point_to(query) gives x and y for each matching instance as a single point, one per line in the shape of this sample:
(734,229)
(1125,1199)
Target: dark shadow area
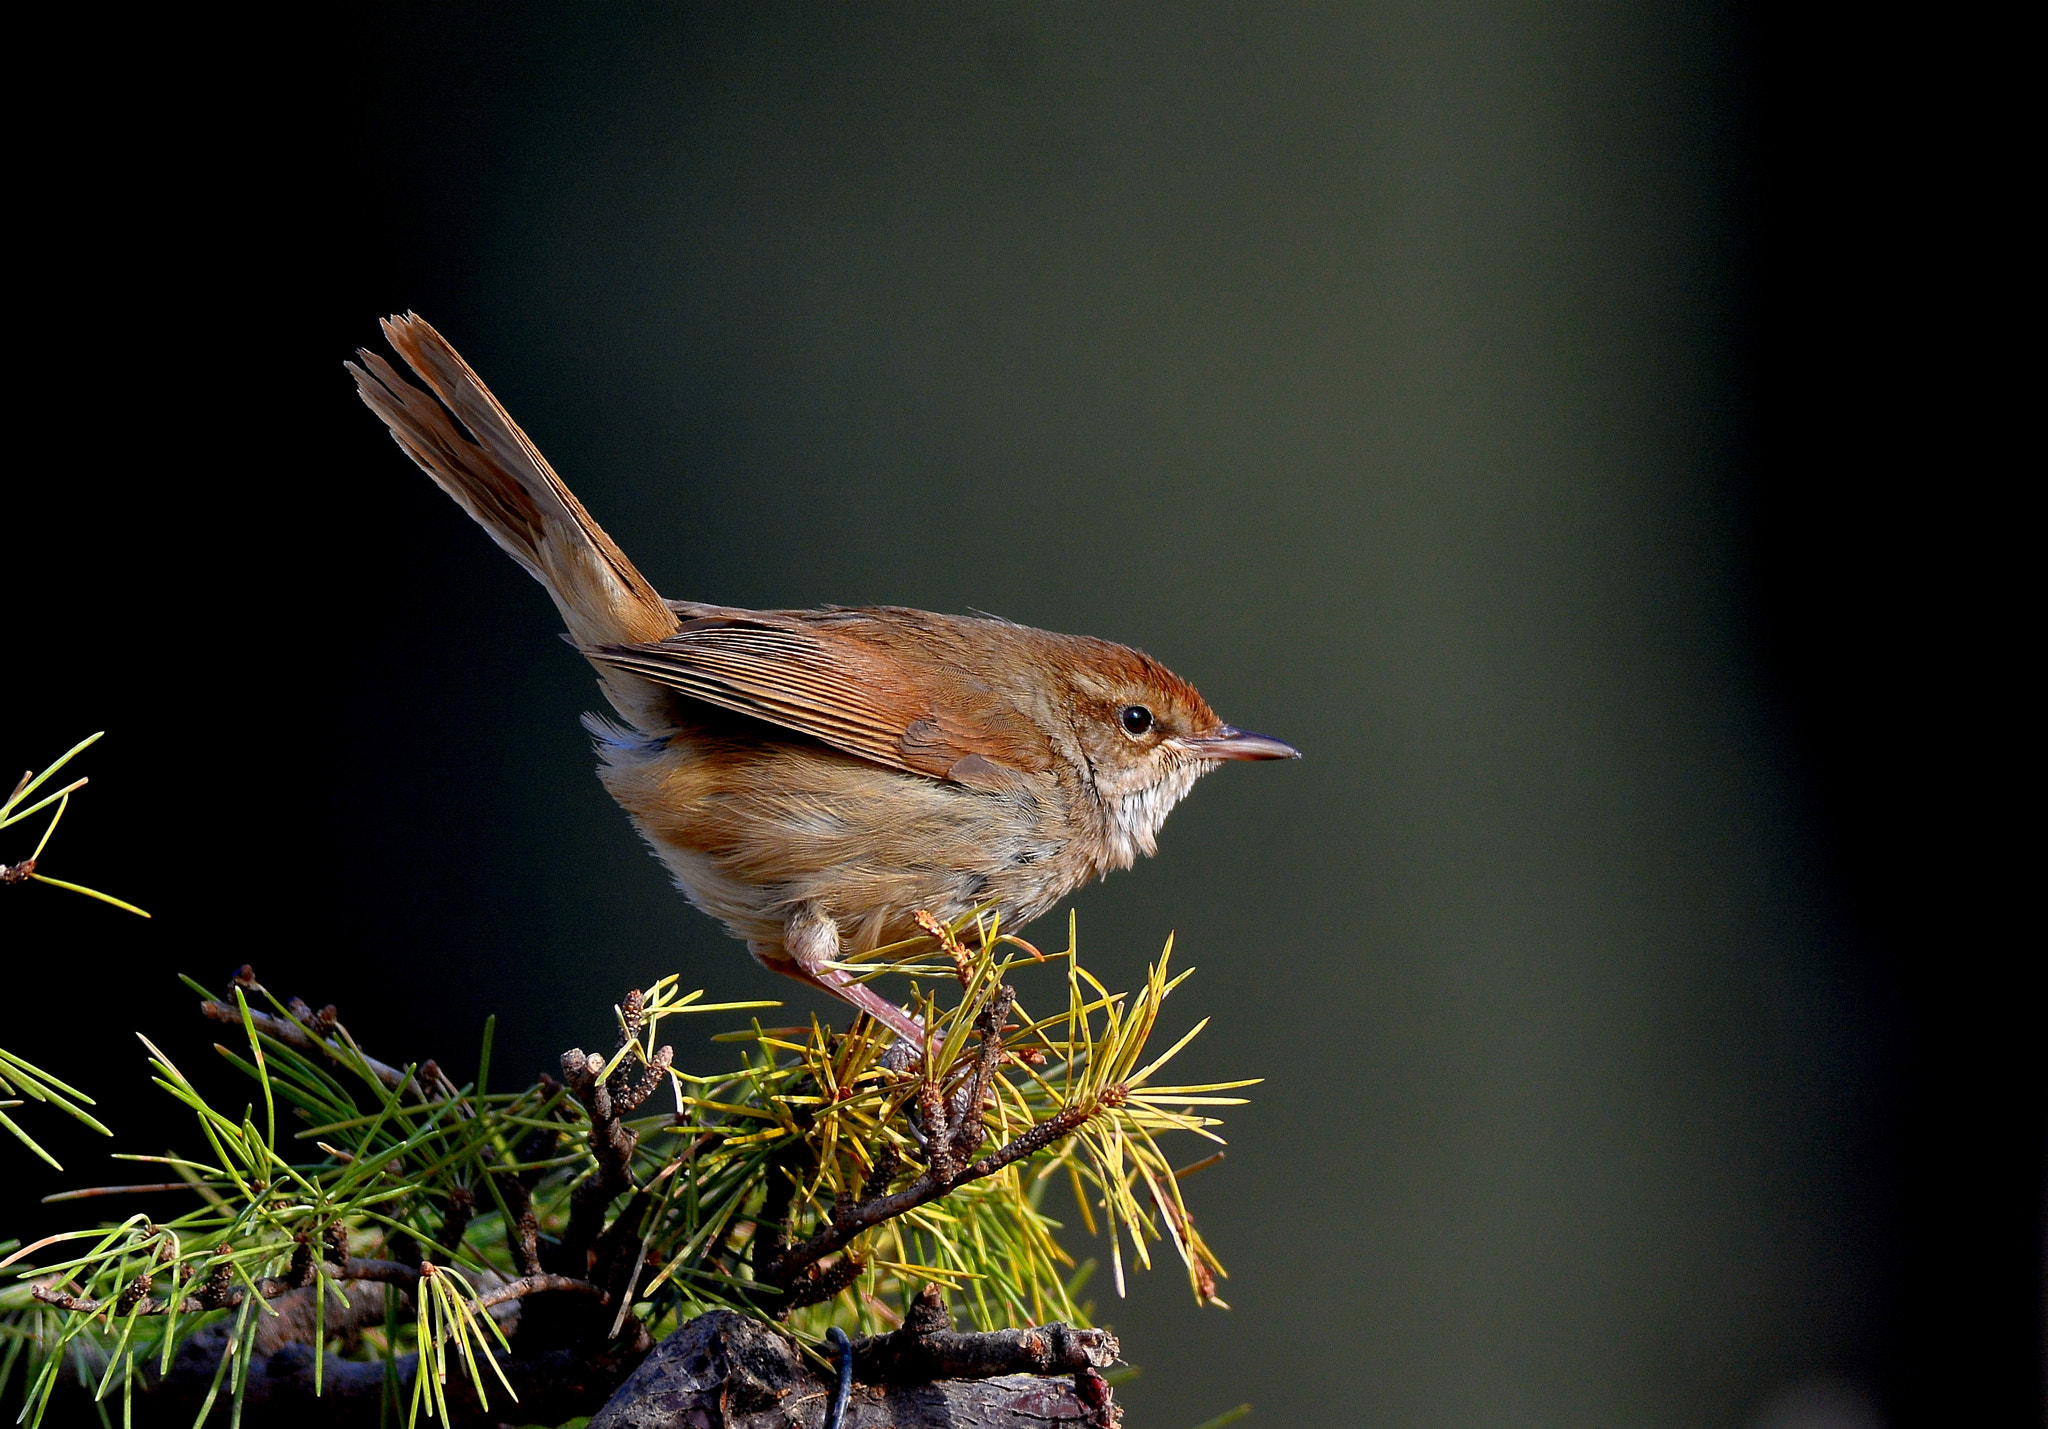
(1885,583)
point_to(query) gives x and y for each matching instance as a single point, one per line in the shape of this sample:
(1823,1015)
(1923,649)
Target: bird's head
(1146,735)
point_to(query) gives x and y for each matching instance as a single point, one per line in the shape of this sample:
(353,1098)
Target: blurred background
(1542,415)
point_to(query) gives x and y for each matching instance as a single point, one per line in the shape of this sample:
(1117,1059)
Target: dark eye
(1135,719)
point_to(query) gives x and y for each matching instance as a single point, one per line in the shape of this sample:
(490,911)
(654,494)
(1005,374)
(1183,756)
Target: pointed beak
(1228,742)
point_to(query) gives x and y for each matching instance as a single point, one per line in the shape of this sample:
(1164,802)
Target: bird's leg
(811,939)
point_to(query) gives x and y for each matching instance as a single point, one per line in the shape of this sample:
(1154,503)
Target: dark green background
(1428,384)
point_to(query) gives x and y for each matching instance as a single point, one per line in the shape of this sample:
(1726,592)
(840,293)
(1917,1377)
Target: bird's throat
(1132,820)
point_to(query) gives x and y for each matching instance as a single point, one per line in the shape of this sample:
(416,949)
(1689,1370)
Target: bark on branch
(609,1095)
(724,1371)
(300,1040)
(927,1347)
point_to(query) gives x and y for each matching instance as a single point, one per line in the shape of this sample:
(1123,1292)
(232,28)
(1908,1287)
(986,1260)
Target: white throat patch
(1134,818)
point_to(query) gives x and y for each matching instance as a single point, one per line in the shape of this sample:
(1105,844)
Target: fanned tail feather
(474,451)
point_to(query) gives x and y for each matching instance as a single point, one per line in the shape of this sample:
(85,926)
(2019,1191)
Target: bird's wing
(842,690)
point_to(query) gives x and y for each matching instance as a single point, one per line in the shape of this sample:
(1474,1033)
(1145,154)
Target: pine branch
(927,1347)
(778,1189)
(939,1179)
(221,1293)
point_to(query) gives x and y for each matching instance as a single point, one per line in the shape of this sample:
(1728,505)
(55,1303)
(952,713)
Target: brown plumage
(814,778)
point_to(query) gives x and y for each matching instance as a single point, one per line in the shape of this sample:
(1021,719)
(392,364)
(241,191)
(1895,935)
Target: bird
(816,780)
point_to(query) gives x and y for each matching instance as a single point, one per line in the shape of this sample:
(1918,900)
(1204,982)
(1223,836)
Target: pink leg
(812,941)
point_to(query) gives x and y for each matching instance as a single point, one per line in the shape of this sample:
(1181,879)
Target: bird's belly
(753,830)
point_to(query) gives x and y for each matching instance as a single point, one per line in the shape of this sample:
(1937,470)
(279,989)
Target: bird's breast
(753,828)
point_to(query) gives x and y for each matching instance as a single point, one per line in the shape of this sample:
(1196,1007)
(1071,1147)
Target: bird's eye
(1135,719)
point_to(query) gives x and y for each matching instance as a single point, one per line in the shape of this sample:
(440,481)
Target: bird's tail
(476,453)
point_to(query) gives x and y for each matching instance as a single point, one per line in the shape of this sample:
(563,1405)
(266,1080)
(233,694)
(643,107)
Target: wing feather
(837,688)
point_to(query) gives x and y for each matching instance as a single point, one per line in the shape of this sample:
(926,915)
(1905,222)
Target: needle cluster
(22,1081)
(378,1234)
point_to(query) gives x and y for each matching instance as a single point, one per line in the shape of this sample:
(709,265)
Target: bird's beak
(1227,742)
